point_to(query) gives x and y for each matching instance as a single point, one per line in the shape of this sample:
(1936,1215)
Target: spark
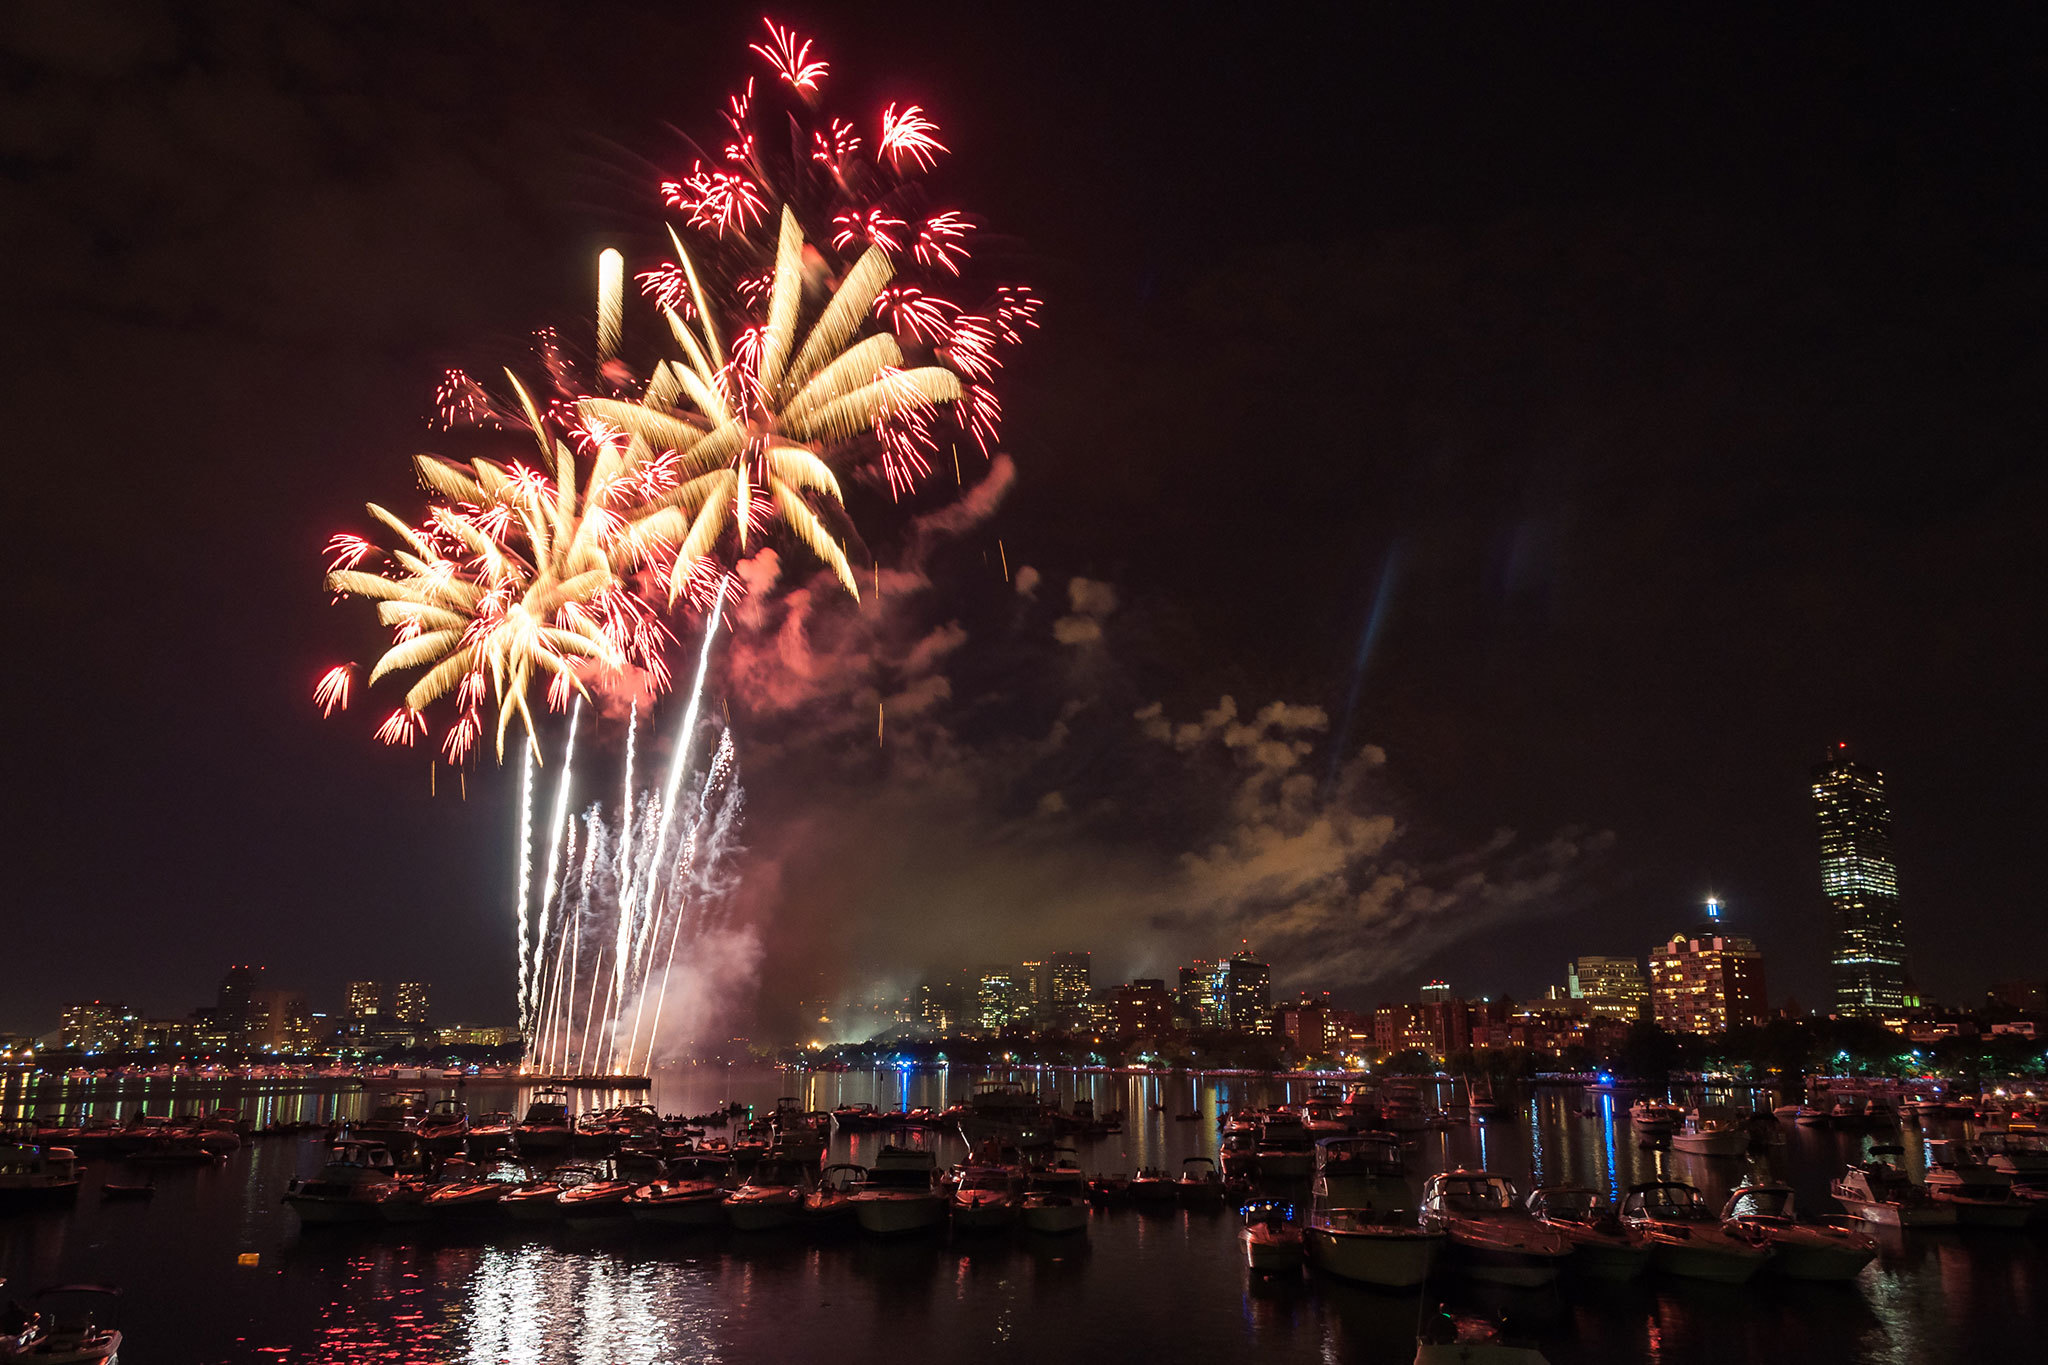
(345,551)
(330,694)
(876,225)
(912,313)
(668,287)
(721,201)
(938,242)
(525,883)
(611,302)
(402,727)
(909,134)
(791,58)
(833,148)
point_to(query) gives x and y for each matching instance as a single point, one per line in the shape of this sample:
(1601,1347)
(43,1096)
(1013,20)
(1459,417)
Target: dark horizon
(1601,415)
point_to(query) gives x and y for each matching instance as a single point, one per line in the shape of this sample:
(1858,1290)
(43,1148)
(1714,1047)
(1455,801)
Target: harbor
(728,1214)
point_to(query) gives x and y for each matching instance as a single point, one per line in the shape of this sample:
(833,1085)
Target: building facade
(1706,980)
(96,1026)
(1248,989)
(409,1003)
(1613,986)
(1141,1008)
(1861,884)
(365,999)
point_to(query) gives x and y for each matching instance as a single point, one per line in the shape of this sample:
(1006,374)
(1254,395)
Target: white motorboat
(1007,1113)
(692,1195)
(348,1188)
(1686,1238)
(2017,1154)
(1378,1247)
(1981,1195)
(1713,1130)
(58,1336)
(1366,1171)
(1272,1240)
(1654,1118)
(900,1194)
(1492,1237)
(1286,1151)
(830,1202)
(1879,1192)
(771,1197)
(466,1198)
(1835,1250)
(1201,1184)
(34,1175)
(1054,1211)
(597,1201)
(403,1200)
(986,1199)
(1601,1247)
(546,1129)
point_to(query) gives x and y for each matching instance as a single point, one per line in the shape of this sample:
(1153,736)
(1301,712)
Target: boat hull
(895,1216)
(1724,1263)
(1266,1254)
(682,1213)
(1732,1143)
(1389,1259)
(770,1213)
(1058,1219)
(1830,1264)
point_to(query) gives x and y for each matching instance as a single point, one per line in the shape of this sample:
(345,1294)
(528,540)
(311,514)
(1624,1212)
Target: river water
(1137,1284)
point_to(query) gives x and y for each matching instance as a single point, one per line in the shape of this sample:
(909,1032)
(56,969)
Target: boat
(110,1192)
(36,1176)
(546,1129)
(830,1202)
(1272,1240)
(1713,1130)
(467,1197)
(2019,1155)
(1286,1151)
(1685,1237)
(1602,1248)
(900,1193)
(1154,1186)
(349,1186)
(1879,1192)
(1654,1118)
(1008,1113)
(986,1199)
(1365,1171)
(1383,1247)
(489,1133)
(57,1336)
(394,1123)
(1054,1211)
(445,1128)
(771,1197)
(597,1201)
(1200,1184)
(1812,1116)
(1980,1195)
(691,1196)
(1493,1238)
(1834,1251)
(1448,1339)
(857,1118)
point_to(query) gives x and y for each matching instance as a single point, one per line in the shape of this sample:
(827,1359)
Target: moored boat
(1371,1246)
(33,1175)
(985,1199)
(692,1195)
(546,1129)
(1879,1192)
(348,1187)
(1272,1240)
(1834,1251)
(1601,1247)
(771,1197)
(1712,1130)
(1492,1237)
(900,1194)
(1685,1237)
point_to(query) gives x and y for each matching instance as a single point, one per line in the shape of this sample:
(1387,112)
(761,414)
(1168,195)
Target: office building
(1613,986)
(365,999)
(1861,884)
(1248,991)
(1141,1008)
(96,1026)
(999,1000)
(409,1003)
(1069,976)
(1707,980)
(1204,995)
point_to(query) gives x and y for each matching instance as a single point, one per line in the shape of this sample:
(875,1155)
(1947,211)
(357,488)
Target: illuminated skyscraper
(1249,989)
(1861,884)
(1707,980)
(365,998)
(410,1002)
(1070,978)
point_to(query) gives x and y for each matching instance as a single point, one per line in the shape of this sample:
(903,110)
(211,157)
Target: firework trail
(525,882)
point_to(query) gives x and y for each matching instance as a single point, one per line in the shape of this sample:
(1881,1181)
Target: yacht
(1685,1238)
(1879,1192)
(1008,1113)
(1654,1118)
(1492,1237)
(692,1195)
(772,1196)
(445,1129)
(830,1202)
(1201,1184)
(1054,1211)
(1981,1195)
(603,1200)
(901,1193)
(61,1337)
(985,1199)
(1835,1250)
(1713,1130)
(1372,1246)
(1365,1171)
(396,1122)
(33,1175)
(546,1129)
(1272,1241)
(2020,1155)
(466,1197)
(1286,1151)
(349,1185)
(1601,1247)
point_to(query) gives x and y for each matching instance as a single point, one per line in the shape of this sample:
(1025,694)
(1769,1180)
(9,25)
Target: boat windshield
(1473,1194)
(1674,1204)
(1572,1206)
(1765,1202)
(984,1182)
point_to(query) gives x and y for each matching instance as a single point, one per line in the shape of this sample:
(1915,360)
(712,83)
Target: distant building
(365,999)
(1861,884)
(1707,980)
(1248,987)
(1069,976)
(477,1035)
(278,1020)
(1438,1027)
(1436,992)
(409,1003)
(96,1026)
(1000,1000)
(1141,1009)
(1204,995)
(2028,997)
(1614,986)
(1310,1025)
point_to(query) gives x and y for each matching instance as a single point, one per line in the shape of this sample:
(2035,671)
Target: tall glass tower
(1861,884)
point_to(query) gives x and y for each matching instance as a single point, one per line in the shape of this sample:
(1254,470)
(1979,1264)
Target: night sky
(1568,424)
